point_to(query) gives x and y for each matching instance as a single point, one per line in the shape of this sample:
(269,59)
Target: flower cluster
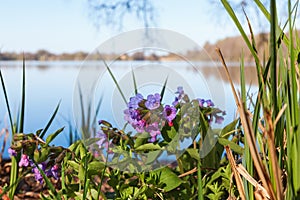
(25,161)
(149,115)
(203,104)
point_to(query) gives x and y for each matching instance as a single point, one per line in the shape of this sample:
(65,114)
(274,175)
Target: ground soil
(28,187)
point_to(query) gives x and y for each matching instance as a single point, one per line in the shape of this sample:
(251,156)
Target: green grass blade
(199,179)
(97,109)
(115,81)
(63,180)
(295,114)
(163,89)
(83,122)
(294,110)
(22,114)
(295,16)
(248,162)
(50,121)
(245,38)
(88,114)
(7,104)
(86,180)
(273,54)
(16,124)
(268,17)
(134,82)
(13,177)
(242,77)
(240,28)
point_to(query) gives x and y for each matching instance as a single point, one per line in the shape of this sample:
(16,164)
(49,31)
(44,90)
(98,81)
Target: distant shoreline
(232,48)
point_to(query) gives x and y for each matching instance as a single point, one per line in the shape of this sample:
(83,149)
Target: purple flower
(219,119)
(169,113)
(209,103)
(201,102)
(153,101)
(127,115)
(12,152)
(54,171)
(103,138)
(24,161)
(179,91)
(134,101)
(134,114)
(175,102)
(103,142)
(139,125)
(38,176)
(153,130)
(134,118)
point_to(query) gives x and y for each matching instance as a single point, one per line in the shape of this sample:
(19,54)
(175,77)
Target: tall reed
(273,129)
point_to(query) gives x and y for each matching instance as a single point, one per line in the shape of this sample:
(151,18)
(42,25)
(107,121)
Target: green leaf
(53,136)
(168,133)
(140,191)
(81,173)
(148,147)
(194,153)
(82,151)
(42,134)
(236,148)
(93,194)
(229,128)
(172,132)
(96,165)
(73,164)
(90,141)
(74,145)
(41,156)
(212,159)
(169,178)
(141,139)
(151,156)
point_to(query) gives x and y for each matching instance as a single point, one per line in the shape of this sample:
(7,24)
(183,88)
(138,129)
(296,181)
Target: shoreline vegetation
(207,53)
(253,157)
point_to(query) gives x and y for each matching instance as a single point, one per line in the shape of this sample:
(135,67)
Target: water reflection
(48,82)
(250,74)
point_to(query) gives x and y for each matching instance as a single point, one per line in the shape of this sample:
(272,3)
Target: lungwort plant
(162,150)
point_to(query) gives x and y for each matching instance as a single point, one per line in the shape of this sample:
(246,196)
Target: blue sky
(65,25)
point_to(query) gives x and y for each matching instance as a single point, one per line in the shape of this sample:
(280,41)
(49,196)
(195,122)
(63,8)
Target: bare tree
(112,12)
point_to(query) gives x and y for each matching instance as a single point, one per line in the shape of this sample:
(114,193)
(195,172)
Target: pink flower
(24,161)
(12,152)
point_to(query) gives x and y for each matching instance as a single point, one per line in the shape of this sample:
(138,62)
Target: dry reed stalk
(237,176)
(259,189)
(249,133)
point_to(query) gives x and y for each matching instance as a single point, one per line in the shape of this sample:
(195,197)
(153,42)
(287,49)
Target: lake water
(49,82)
